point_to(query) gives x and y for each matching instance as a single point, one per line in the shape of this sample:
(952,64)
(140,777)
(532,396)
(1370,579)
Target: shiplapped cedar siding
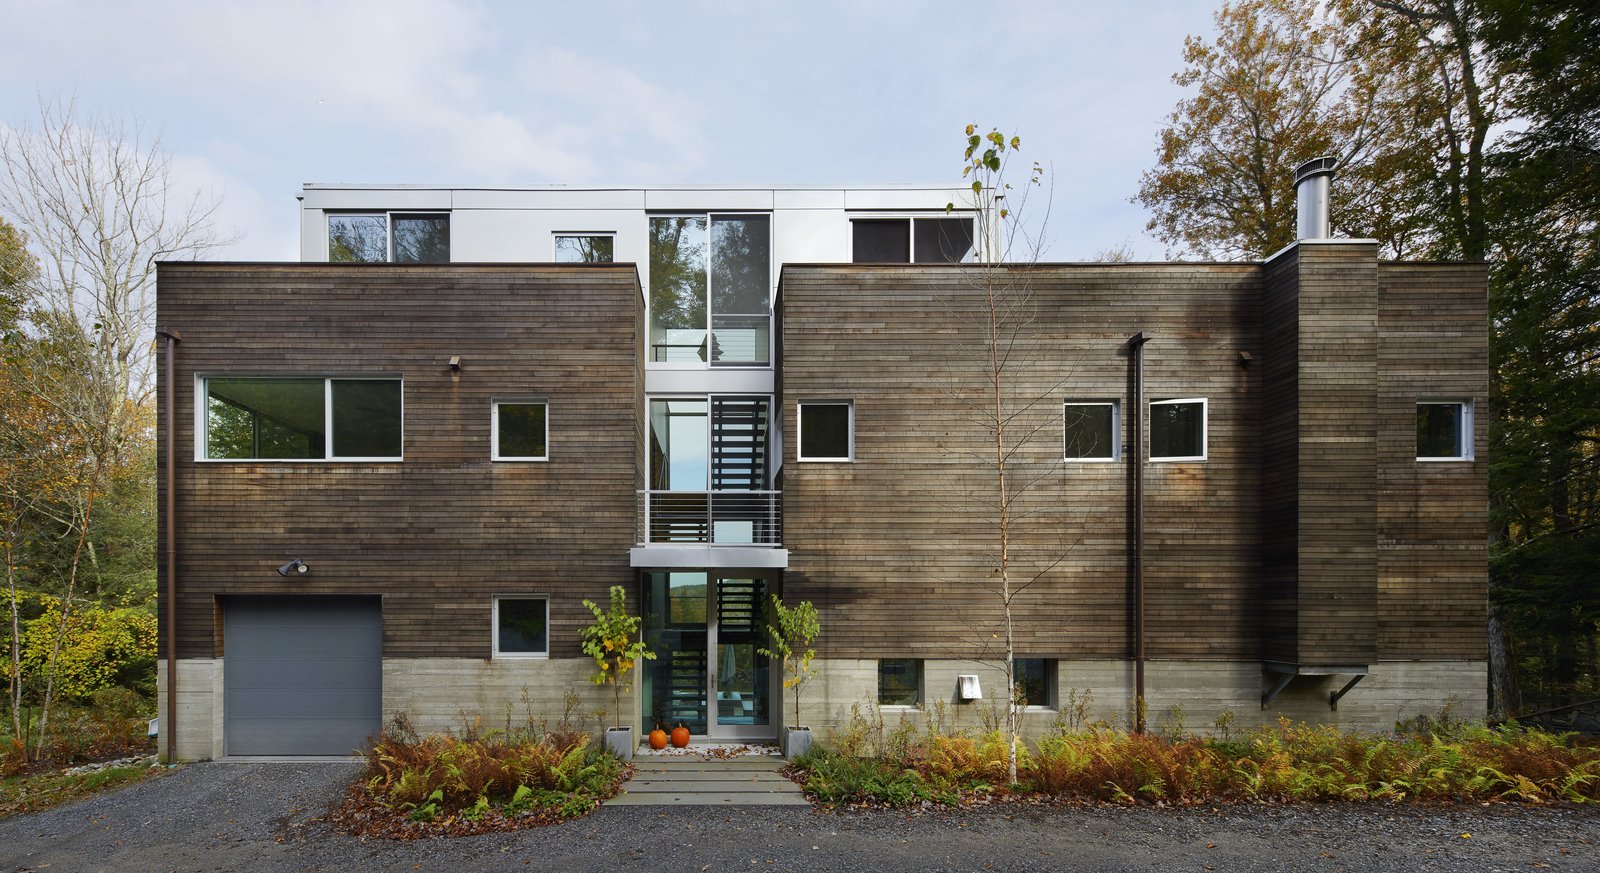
(437,534)
(1320,326)
(893,548)
(1433,517)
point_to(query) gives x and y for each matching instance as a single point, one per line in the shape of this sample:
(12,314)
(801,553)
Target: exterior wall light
(967,688)
(295,566)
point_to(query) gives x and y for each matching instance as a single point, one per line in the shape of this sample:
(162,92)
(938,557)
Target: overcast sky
(255,98)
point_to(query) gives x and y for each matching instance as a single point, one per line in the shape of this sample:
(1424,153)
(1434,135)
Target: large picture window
(1092,428)
(299,418)
(416,237)
(521,627)
(1178,430)
(1444,431)
(710,286)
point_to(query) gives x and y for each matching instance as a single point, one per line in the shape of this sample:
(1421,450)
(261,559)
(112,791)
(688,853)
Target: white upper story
(708,258)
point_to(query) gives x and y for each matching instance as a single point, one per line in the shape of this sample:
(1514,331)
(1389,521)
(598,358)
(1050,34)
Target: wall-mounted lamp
(296,566)
(455,363)
(1245,358)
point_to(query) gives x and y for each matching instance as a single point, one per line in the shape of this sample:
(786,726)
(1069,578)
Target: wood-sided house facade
(402,465)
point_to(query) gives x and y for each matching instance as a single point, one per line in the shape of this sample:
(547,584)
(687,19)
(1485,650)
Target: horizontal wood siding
(1433,520)
(437,534)
(896,547)
(1337,587)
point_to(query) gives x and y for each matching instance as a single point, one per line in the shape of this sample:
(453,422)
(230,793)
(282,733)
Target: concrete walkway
(690,780)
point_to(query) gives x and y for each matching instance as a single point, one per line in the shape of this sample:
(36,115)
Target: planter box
(619,742)
(796,742)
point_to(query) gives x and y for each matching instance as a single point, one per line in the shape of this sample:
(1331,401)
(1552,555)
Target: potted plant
(792,633)
(609,641)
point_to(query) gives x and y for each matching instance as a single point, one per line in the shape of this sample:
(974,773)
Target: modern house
(399,467)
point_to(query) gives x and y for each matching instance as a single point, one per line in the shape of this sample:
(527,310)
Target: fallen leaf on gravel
(1211,845)
(1466,836)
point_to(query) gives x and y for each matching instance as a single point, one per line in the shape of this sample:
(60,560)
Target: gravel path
(258,817)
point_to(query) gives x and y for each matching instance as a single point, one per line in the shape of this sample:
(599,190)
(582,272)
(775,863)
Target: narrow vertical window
(827,431)
(1444,431)
(521,431)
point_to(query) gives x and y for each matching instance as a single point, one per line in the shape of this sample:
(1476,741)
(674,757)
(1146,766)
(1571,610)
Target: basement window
(1036,681)
(1178,430)
(522,627)
(899,681)
(292,418)
(520,430)
(1444,431)
(1092,428)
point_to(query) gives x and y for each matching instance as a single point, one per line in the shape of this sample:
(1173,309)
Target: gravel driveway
(257,817)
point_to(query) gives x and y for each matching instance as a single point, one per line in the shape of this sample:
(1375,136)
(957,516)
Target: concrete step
(708,799)
(747,780)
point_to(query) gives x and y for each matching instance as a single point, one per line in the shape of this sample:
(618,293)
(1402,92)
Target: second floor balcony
(713,518)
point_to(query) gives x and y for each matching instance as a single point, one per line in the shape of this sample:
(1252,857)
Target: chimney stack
(1311,197)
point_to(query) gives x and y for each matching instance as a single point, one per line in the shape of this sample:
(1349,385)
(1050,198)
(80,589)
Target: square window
(1092,430)
(1036,680)
(1178,430)
(826,431)
(1444,431)
(584,248)
(360,239)
(521,627)
(942,240)
(422,239)
(521,431)
(366,418)
(880,241)
(899,681)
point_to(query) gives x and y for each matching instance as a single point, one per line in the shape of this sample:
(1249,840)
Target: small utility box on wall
(967,688)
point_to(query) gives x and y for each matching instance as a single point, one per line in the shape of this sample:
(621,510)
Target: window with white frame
(585,248)
(520,430)
(300,418)
(1444,430)
(1092,430)
(827,430)
(899,681)
(522,626)
(910,240)
(1178,429)
(401,237)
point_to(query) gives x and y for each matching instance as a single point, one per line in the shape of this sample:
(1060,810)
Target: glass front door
(705,629)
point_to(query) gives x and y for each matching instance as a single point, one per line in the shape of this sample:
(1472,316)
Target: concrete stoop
(747,780)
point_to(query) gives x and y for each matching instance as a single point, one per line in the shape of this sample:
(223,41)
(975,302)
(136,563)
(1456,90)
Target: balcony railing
(718,518)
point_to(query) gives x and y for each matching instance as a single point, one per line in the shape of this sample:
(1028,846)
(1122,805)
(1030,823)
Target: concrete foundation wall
(439,694)
(1190,694)
(199,732)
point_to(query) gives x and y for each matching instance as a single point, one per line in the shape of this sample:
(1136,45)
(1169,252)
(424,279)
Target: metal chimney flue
(1311,181)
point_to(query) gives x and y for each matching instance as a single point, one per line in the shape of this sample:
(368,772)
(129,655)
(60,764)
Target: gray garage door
(301,675)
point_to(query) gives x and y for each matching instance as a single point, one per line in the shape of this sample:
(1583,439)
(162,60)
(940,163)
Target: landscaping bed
(1286,763)
(443,785)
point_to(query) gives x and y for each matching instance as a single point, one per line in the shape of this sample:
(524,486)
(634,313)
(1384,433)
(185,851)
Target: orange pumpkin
(680,736)
(658,738)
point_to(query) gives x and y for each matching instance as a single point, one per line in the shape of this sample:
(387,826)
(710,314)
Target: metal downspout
(1136,347)
(170,728)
